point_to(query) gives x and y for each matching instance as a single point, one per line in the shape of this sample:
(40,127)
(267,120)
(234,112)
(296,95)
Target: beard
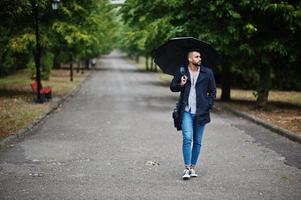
(197,63)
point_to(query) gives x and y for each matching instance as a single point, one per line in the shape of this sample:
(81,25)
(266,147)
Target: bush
(32,68)
(46,66)
(7,63)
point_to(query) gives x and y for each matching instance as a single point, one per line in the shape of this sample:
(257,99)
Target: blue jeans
(191,133)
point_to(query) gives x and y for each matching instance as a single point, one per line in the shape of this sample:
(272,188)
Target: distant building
(117,1)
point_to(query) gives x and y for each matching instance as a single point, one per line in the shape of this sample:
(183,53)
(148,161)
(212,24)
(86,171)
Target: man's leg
(187,131)
(197,143)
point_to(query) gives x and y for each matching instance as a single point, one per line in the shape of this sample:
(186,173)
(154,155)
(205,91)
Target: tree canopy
(77,30)
(257,40)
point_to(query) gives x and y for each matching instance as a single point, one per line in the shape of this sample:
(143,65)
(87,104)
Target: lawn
(17,108)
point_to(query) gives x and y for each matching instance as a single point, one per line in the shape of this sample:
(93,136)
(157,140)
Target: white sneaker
(186,174)
(192,173)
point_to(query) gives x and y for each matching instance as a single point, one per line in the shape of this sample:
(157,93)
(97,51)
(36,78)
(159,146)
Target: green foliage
(145,31)
(6,62)
(32,68)
(78,30)
(86,29)
(259,41)
(22,42)
(47,64)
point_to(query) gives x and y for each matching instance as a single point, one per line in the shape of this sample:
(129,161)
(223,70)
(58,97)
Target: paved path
(115,140)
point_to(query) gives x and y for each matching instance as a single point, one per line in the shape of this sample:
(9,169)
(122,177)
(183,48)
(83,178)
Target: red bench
(46,92)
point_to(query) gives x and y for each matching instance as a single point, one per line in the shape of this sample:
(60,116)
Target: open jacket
(205,92)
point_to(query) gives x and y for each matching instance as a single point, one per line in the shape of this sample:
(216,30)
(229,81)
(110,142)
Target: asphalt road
(115,140)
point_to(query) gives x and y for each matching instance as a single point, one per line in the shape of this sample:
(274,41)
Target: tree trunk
(264,86)
(56,63)
(155,65)
(226,81)
(82,67)
(137,58)
(71,70)
(87,62)
(152,64)
(78,67)
(146,63)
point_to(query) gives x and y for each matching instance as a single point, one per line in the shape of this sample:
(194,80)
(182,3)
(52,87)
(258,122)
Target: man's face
(194,58)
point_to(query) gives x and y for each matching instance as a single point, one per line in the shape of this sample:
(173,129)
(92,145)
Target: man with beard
(198,89)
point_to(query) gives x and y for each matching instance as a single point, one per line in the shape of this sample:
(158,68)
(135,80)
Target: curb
(281,131)
(27,130)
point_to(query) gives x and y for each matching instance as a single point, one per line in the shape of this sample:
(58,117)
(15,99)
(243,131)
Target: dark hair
(193,50)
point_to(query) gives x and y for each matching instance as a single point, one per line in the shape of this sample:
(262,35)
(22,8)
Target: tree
(275,38)
(78,30)
(251,36)
(145,31)
(85,30)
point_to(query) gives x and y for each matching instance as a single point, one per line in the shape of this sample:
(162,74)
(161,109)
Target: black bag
(177,115)
(177,112)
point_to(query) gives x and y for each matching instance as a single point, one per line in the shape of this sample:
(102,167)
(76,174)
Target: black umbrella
(173,54)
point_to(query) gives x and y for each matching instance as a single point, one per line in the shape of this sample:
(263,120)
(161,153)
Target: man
(198,89)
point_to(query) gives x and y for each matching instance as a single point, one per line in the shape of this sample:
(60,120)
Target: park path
(115,140)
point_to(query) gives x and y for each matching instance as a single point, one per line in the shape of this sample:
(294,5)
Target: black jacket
(205,92)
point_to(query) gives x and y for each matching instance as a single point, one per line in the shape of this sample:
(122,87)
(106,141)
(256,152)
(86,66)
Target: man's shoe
(192,173)
(186,174)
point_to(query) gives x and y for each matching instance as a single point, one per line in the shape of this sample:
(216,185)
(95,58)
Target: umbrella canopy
(173,54)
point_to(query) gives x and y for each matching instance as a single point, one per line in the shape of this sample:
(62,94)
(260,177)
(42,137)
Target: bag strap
(183,72)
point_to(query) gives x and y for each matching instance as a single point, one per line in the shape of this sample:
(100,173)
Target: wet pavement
(115,140)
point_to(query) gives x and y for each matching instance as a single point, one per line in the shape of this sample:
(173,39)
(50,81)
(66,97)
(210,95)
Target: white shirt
(191,107)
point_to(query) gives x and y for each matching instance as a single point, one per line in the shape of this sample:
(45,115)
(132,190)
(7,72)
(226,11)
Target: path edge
(22,133)
(280,131)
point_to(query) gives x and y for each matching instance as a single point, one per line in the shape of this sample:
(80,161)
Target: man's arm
(175,85)
(211,89)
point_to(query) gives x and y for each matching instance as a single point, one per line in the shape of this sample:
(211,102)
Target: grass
(17,108)
(286,97)
(17,113)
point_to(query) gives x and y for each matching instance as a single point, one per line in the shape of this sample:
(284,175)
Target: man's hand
(183,80)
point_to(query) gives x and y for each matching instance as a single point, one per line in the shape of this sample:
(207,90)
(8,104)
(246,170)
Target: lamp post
(55,4)
(35,8)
